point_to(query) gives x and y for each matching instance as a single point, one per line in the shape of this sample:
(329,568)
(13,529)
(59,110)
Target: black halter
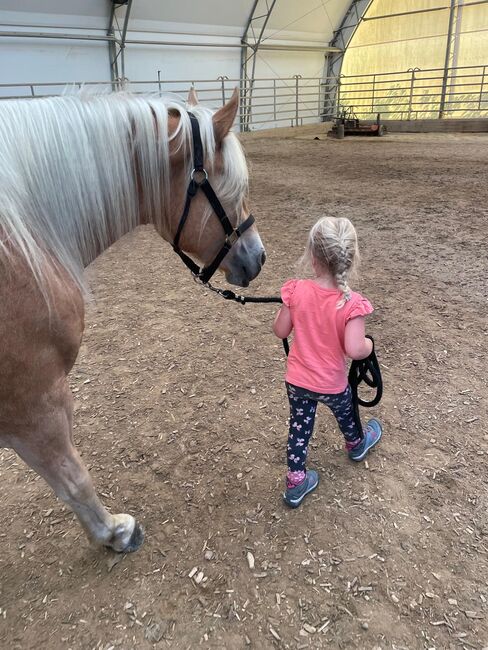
(199,180)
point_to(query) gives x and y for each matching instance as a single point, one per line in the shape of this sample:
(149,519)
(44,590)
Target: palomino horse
(77,173)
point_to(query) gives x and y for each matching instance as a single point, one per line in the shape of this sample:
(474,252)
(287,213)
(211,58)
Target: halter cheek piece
(199,180)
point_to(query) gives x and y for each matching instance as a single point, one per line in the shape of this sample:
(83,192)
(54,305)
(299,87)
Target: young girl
(328,322)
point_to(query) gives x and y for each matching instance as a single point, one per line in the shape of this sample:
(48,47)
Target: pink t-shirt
(317,359)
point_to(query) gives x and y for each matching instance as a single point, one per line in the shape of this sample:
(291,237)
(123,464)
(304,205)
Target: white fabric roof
(305,21)
(180,25)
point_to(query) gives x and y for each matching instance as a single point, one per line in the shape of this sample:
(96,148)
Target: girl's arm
(282,325)
(356,344)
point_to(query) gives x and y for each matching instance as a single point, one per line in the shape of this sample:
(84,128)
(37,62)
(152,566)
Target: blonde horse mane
(68,182)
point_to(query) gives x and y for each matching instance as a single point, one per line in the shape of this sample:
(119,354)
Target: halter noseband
(199,180)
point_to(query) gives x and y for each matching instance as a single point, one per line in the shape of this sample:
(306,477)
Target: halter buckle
(232,238)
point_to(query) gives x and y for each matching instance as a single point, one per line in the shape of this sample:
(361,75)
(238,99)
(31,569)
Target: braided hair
(332,245)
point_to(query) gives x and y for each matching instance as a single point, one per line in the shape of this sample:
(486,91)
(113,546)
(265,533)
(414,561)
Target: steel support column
(116,46)
(250,42)
(452,49)
(342,37)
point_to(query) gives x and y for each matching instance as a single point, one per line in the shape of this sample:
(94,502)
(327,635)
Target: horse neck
(79,173)
(153,182)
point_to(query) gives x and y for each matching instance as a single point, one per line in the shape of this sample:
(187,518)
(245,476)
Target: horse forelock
(68,181)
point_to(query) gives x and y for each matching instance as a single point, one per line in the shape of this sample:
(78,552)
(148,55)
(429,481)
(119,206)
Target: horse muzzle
(245,260)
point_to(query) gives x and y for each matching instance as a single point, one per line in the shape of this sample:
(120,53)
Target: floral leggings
(303,406)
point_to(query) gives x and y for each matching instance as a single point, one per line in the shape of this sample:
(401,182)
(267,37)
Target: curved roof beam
(251,40)
(342,37)
(117,45)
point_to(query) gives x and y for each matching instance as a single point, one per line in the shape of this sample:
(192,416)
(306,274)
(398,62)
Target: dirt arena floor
(181,416)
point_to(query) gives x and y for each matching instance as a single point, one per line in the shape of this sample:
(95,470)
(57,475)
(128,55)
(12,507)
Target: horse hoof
(136,539)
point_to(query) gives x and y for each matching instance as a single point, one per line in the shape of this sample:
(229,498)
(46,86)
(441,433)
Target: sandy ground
(181,416)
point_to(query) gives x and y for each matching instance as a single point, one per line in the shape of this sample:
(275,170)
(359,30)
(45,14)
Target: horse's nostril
(263,258)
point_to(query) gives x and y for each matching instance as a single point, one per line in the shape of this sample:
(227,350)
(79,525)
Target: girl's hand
(356,344)
(282,325)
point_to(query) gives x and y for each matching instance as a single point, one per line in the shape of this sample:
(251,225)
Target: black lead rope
(364,370)
(227,294)
(367,371)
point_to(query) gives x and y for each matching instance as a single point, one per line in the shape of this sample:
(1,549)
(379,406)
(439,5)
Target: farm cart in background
(348,123)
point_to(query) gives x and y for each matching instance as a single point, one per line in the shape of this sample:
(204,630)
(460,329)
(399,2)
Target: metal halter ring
(199,176)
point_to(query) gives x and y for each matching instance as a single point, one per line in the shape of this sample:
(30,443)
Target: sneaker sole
(373,444)
(294,503)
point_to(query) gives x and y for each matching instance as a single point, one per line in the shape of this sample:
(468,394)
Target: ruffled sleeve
(358,306)
(287,291)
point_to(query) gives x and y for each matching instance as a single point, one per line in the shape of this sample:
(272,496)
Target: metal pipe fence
(267,102)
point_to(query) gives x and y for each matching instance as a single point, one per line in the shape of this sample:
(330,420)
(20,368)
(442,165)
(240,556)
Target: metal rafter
(342,37)
(116,45)
(250,43)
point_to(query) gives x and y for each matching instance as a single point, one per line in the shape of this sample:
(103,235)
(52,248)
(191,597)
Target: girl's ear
(224,118)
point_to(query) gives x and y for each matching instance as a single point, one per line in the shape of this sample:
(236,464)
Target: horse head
(201,232)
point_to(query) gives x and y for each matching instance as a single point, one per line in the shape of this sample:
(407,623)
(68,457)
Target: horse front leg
(48,448)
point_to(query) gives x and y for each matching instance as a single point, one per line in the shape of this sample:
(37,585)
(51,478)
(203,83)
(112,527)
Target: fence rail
(411,94)
(416,93)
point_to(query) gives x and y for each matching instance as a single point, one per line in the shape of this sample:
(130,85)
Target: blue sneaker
(372,435)
(294,496)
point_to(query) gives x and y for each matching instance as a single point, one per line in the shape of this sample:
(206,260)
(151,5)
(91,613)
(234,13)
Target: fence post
(481,87)
(274,99)
(159,82)
(319,86)
(242,105)
(297,77)
(372,96)
(222,79)
(338,94)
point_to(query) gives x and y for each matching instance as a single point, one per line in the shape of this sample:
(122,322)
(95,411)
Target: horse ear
(224,118)
(192,97)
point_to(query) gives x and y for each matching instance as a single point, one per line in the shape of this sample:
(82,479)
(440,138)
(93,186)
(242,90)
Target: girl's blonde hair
(333,246)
